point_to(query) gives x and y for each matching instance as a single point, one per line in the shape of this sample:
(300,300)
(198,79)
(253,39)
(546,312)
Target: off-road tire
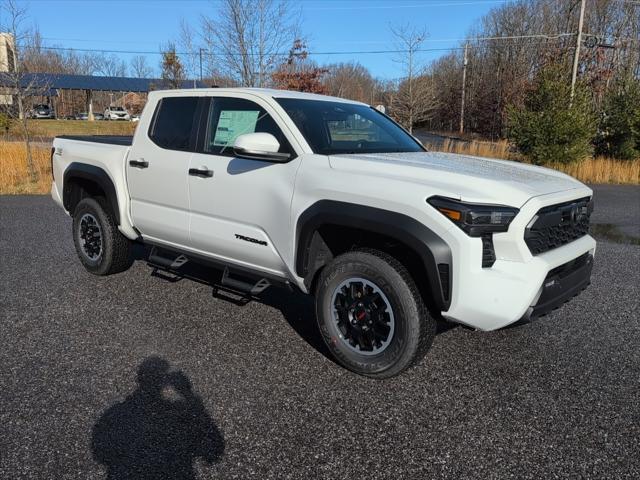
(116,248)
(414,327)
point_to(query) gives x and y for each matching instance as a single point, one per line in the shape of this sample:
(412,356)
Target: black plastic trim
(122,140)
(94,174)
(557,225)
(562,284)
(432,249)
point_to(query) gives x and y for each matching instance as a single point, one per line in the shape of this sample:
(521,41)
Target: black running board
(240,279)
(172,263)
(250,288)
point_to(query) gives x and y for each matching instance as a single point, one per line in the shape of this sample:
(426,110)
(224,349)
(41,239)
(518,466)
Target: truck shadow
(297,308)
(159,430)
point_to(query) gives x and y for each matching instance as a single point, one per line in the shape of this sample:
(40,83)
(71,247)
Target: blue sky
(330,25)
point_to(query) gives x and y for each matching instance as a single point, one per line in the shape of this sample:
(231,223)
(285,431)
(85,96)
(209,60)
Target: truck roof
(262,92)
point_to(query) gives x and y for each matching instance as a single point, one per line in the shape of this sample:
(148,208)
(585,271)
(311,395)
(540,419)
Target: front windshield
(332,128)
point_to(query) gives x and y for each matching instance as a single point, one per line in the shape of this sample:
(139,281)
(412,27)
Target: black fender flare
(431,248)
(94,174)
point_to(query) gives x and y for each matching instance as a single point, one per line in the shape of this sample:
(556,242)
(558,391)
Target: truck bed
(123,140)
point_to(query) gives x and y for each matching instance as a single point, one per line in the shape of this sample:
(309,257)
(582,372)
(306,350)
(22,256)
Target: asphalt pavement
(144,376)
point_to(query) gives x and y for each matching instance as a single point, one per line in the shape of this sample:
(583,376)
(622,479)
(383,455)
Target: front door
(240,208)
(157,171)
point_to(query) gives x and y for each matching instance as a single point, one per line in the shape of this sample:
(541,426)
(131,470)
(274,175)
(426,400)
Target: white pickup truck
(333,198)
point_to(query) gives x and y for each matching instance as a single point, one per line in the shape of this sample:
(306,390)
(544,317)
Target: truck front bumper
(492,298)
(561,285)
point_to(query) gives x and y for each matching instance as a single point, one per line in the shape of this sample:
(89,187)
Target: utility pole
(464,82)
(576,55)
(200,63)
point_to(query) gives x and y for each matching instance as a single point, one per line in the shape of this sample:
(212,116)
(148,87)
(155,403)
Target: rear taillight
(53,150)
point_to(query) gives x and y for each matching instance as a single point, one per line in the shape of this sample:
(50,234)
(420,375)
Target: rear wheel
(371,314)
(101,247)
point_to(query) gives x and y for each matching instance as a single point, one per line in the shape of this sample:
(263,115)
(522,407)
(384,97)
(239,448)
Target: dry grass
(500,149)
(590,170)
(47,129)
(603,170)
(14,173)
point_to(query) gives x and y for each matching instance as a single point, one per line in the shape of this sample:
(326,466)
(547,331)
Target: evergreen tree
(551,127)
(619,134)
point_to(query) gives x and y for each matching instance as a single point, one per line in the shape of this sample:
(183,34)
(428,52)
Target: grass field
(14,173)
(47,129)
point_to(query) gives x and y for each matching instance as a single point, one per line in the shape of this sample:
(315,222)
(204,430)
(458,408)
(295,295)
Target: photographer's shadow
(158,431)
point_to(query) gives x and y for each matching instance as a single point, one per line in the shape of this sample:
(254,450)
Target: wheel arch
(328,228)
(82,180)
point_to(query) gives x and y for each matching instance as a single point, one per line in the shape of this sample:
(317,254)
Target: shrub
(5,123)
(619,134)
(547,128)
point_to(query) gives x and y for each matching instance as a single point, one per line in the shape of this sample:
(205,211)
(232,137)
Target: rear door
(157,170)
(240,208)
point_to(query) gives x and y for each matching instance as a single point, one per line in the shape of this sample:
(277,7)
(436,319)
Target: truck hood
(468,178)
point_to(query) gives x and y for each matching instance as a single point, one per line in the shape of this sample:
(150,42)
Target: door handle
(142,163)
(201,172)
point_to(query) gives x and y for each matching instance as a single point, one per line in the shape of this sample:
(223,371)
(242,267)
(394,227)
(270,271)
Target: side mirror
(259,146)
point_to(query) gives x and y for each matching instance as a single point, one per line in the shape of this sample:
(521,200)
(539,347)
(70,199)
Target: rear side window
(173,122)
(231,117)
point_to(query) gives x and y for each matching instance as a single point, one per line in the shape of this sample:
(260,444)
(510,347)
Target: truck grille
(558,225)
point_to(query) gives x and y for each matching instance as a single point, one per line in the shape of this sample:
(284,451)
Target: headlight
(475,219)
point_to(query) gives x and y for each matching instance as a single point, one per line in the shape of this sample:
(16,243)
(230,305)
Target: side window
(173,122)
(231,117)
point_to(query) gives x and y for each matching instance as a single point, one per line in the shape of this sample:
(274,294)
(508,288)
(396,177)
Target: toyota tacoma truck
(333,198)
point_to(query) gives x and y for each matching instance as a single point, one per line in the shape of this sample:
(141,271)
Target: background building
(6,52)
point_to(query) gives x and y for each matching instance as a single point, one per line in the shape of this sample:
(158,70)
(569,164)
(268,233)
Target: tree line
(518,71)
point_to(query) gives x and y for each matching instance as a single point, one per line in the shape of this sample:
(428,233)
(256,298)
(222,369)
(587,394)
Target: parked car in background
(135,118)
(42,111)
(82,116)
(98,116)
(116,113)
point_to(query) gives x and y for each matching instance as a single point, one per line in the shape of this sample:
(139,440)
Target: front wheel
(101,247)
(371,314)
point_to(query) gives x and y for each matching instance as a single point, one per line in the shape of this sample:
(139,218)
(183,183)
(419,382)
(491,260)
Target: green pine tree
(549,127)
(619,135)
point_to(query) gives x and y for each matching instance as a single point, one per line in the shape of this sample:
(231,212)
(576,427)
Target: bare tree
(191,60)
(414,101)
(108,65)
(352,80)
(37,58)
(140,68)
(253,37)
(21,87)
(514,42)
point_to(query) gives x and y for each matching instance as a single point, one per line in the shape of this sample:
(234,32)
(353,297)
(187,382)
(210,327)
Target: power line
(428,40)
(368,5)
(214,54)
(348,52)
